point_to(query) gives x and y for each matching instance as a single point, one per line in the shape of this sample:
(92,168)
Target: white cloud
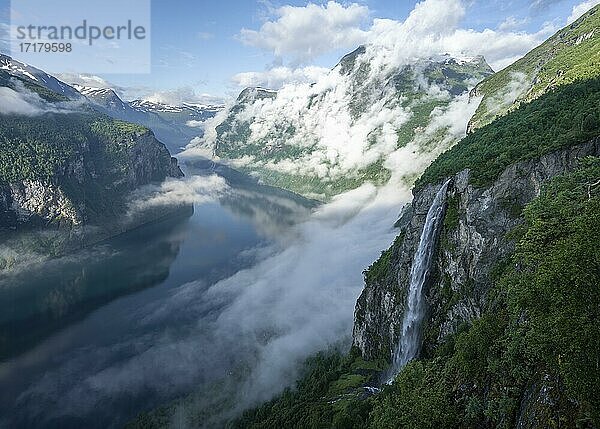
(16,103)
(307,32)
(178,96)
(580,9)
(512,23)
(194,124)
(434,17)
(28,103)
(88,80)
(518,85)
(198,145)
(433,27)
(440,32)
(499,48)
(195,189)
(276,77)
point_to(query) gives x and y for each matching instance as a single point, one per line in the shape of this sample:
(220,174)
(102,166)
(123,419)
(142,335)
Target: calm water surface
(83,338)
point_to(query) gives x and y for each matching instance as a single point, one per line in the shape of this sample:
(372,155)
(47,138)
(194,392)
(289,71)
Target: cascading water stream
(410,339)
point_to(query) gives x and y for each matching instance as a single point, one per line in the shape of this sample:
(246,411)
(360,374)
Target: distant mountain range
(175,125)
(194,111)
(69,163)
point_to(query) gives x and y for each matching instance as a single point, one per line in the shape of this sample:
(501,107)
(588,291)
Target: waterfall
(410,338)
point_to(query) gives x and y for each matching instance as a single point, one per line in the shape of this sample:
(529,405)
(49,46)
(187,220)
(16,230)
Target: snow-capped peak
(154,106)
(92,91)
(25,71)
(105,97)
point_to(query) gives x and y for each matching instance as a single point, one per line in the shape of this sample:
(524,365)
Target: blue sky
(197,46)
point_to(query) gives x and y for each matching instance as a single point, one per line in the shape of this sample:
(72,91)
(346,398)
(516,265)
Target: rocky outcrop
(472,246)
(543,400)
(36,203)
(91,189)
(33,200)
(150,161)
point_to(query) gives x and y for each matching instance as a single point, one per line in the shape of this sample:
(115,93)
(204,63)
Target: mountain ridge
(570,54)
(288,149)
(171,124)
(66,167)
(25,71)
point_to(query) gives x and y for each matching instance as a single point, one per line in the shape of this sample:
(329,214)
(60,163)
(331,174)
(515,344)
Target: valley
(407,239)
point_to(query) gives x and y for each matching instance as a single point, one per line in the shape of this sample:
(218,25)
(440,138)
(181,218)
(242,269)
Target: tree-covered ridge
(94,160)
(538,336)
(42,147)
(570,55)
(10,81)
(565,117)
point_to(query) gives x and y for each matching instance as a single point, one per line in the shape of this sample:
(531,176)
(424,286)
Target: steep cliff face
(473,244)
(150,161)
(91,186)
(36,202)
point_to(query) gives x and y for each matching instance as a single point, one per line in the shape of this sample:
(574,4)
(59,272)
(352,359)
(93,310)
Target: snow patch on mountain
(191,108)
(25,71)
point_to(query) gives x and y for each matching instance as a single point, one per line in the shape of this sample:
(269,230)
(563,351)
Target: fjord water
(84,338)
(410,337)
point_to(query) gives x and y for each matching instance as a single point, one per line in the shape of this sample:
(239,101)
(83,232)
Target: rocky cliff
(473,244)
(89,187)
(65,165)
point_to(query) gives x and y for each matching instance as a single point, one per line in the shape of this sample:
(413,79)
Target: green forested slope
(41,147)
(565,117)
(74,152)
(538,335)
(570,55)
